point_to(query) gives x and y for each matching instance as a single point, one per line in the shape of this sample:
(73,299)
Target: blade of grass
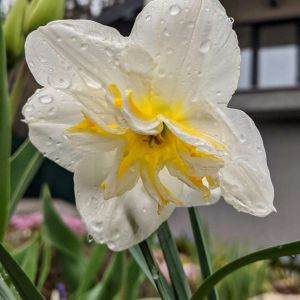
(269,253)
(202,250)
(21,282)
(160,282)
(177,275)
(24,165)
(5,138)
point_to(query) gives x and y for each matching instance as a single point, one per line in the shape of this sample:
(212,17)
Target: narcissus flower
(143,121)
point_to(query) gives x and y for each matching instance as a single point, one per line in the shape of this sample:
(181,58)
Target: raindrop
(109,52)
(148,18)
(84,46)
(60,82)
(167,33)
(28,108)
(90,239)
(175,10)
(43,59)
(111,245)
(207,9)
(205,46)
(243,138)
(46,99)
(144,210)
(231,20)
(219,93)
(31,64)
(58,38)
(259,150)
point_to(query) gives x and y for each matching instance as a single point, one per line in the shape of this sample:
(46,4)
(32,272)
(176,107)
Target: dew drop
(167,33)
(144,210)
(28,108)
(46,99)
(243,138)
(111,245)
(175,10)
(259,150)
(90,239)
(148,18)
(205,46)
(109,52)
(84,46)
(219,93)
(231,20)
(31,64)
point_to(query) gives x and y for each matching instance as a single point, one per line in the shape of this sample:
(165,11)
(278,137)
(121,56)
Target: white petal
(194,46)
(49,113)
(118,222)
(74,54)
(80,54)
(245,179)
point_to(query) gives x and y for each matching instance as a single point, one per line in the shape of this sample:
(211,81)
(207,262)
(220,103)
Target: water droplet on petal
(205,46)
(243,138)
(109,52)
(144,210)
(231,20)
(90,239)
(84,46)
(175,10)
(46,99)
(167,33)
(148,18)
(28,108)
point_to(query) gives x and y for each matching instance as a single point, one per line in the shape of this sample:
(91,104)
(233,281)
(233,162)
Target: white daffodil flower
(143,121)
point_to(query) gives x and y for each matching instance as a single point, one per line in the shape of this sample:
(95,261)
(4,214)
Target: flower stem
(178,278)
(203,254)
(5,138)
(160,282)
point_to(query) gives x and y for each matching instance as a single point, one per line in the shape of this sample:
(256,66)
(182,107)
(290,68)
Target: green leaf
(67,244)
(163,288)
(45,265)
(269,253)
(202,250)
(22,283)
(132,280)
(138,256)
(112,281)
(5,292)
(30,261)
(177,275)
(24,165)
(5,139)
(60,235)
(91,269)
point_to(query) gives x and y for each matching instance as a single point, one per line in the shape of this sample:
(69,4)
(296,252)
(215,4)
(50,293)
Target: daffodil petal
(194,46)
(119,222)
(45,113)
(75,55)
(245,179)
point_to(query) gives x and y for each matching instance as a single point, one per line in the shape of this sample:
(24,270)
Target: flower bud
(41,12)
(13,29)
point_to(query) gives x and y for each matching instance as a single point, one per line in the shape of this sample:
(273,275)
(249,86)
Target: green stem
(5,139)
(17,89)
(169,248)
(161,284)
(270,253)
(202,250)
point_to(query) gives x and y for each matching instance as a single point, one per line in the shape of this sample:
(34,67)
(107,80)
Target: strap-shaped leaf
(91,269)
(67,244)
(177,275)
(22,283)
(202,250)
(24,165)
(269,253)
(5,138)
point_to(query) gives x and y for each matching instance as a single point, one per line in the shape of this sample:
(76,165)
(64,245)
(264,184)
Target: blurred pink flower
(35,220)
